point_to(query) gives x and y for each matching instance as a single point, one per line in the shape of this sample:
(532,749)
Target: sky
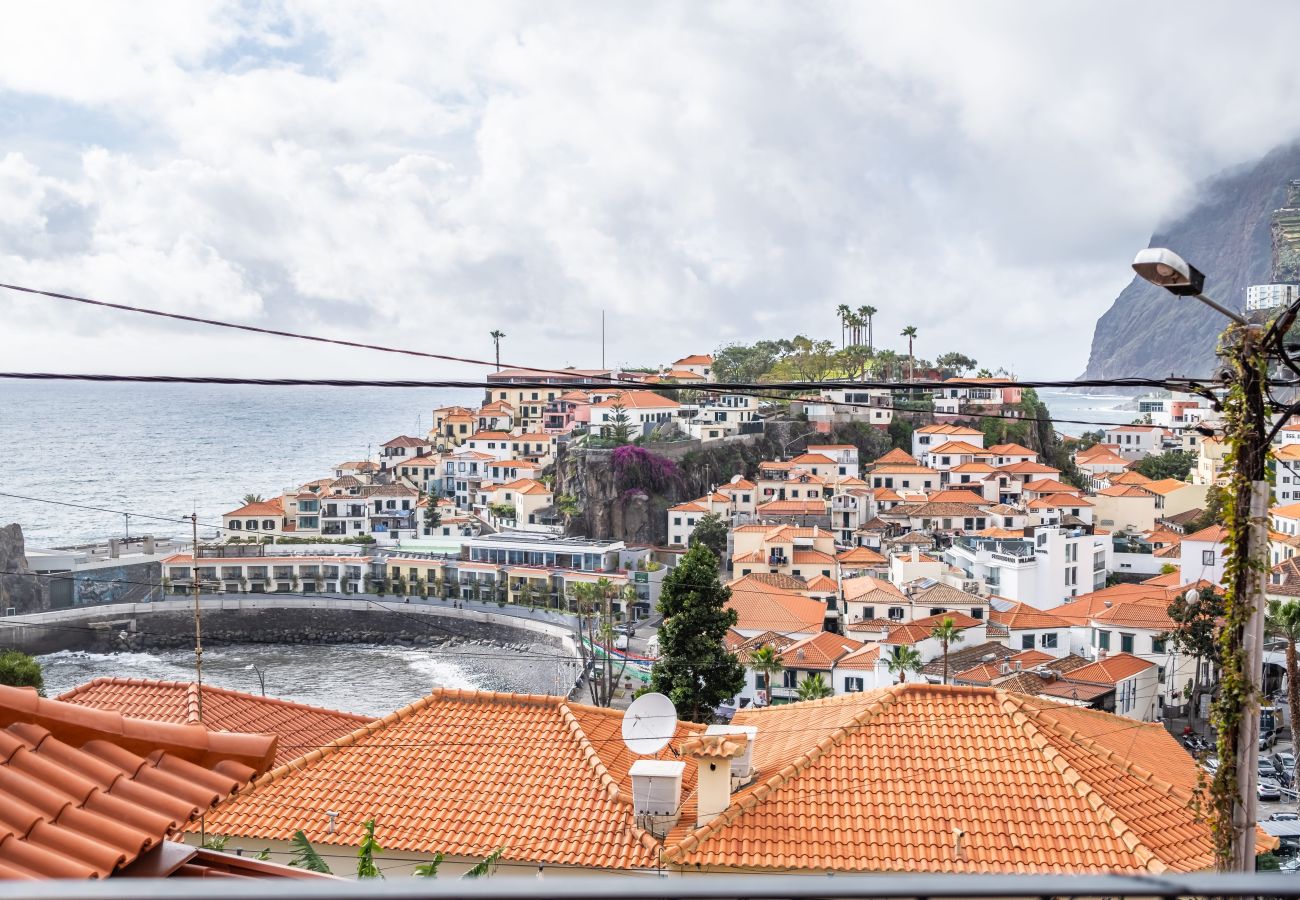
(419,174)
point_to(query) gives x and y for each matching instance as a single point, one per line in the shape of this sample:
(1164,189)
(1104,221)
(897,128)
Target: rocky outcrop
(19,589)
(1228,235)
(1286,238)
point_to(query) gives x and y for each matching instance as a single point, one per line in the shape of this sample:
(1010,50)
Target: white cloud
(704,173)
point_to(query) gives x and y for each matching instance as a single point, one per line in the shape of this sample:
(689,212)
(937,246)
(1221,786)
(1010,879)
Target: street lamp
(1247,424)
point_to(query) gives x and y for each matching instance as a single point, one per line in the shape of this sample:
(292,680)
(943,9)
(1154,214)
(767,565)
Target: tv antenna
(649,724)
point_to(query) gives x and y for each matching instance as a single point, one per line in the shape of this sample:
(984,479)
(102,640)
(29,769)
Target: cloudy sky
(421,173)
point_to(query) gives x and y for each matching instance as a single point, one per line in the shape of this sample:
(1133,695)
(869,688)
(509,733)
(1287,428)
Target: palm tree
(814,687)
(903,660)
(845,314)
(866,312)
(946,633)
(497,335)
(767,662)
(250,499)
(910,333)
(1284,621)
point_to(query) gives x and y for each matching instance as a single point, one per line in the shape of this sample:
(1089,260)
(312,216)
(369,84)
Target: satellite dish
(649,724)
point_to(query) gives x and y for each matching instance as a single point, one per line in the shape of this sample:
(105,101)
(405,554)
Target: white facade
(1271,296)
(1135,441)
(1043,571)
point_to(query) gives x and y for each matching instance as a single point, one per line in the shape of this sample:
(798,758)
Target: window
(852,685)
(896,613)
(1103,640)
(268,524)
(234,525)
(1160,674)
(868,612)
(977,612)
(1125,643)
(1157,645)
(936,610)
(1026,642)
(1049,641)
(1207,557)
(790,678)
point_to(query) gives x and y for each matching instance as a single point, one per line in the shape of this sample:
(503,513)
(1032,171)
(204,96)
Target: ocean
(172,449)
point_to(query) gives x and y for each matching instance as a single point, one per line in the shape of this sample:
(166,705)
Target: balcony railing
(554,886)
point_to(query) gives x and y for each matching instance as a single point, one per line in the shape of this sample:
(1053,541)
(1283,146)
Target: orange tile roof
(545,780)
(879,781)
(896,456)
(960,447)
(741,485)
(863,585)
(820,651)
(812,459)
(695,359)
(865,658)
(1137,615)
(812,557)
(1289,511)
(1028,468)
(1023,616)
(1169,579)
(957,495)
(1111,669)
(272,507)
(1215,534)
(1165,486)
(87,791)
(974,467)
(793,508)
(920,629)
(765,607)
(949,429)
(636,400)
(822,585)
(1050,486)
(1012,450)
(299,727)
(861,556)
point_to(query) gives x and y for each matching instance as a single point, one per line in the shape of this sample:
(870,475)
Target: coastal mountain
(1227,235)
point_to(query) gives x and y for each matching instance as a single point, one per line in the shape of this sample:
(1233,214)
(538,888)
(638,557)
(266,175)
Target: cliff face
(1228,235)
(19,591)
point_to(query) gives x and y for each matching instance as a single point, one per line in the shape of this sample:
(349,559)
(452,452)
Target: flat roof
(537,540)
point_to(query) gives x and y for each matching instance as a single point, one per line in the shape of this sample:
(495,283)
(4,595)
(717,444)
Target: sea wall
(142,627)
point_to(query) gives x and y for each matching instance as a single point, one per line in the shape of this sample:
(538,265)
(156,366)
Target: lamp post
(1247,423)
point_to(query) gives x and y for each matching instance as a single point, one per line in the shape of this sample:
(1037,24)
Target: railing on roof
(553,886)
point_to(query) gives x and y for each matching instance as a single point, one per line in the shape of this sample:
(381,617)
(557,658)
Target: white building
(1271,296)
(1135,441)
(1203,555)
(643,410)
(1042,570)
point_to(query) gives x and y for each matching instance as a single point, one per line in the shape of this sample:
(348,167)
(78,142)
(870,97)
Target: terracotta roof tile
(300,728)
(86,791)
(1023,616)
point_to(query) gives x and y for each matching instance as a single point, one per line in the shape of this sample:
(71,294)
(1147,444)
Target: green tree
(1196,616)
(497,335)
(910,333)
(711,531)
(595,625)
(845,314)
(900,433)
(814,687)
(904,659)
(485,866)
(1283,622)
(953,364)
(695,669)
(619,429)
(766,661)
(305,855)
(1089,439)
(429,869)
(867,313)
(946,633)
(250,499)
(366,867)
(1168,569)
(17,669)
(1213,512)
(432,515)
(1173,464)
(747,363)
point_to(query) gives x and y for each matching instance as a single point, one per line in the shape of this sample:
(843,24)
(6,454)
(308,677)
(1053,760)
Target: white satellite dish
(649,724)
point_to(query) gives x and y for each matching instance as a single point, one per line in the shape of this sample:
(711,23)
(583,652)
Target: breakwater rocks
(144,627)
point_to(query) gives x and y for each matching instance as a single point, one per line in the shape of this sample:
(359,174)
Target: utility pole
(602,339)
(198,619)
(1243,347)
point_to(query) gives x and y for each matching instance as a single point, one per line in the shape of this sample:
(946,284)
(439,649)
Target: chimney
(916,554)
(114,548)
(656,793)
(715,756)
(148,544)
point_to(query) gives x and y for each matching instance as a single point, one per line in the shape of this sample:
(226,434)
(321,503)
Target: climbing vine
(1243,420)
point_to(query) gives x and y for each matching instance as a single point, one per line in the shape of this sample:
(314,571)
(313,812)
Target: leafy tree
(366,867)
(766,661)
(853,362)
(884,365)
(807,360)
(305,855)
(846,315)
(429,869)
(900,433)
(217,842)
(1196,616)
(432,515)
(595,625)
(951,364)
(747,363)
(250,499)
(1213,512)
(946,633)
(1173,464)
(814,687)
(620,426)
(486,866)
(17,669)
(695,669)
(1168,569)
(711,531)
(1283,621)
(903,660)
(1090,439)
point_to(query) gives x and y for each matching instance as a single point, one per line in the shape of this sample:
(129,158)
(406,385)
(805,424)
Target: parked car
(1210,764)
(1267,738)
(620,642)
(1284,817)
(1268,790)
(1266,769)
(1284,763)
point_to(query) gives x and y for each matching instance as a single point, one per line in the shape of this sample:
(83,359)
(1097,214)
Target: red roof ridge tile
(85,687)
